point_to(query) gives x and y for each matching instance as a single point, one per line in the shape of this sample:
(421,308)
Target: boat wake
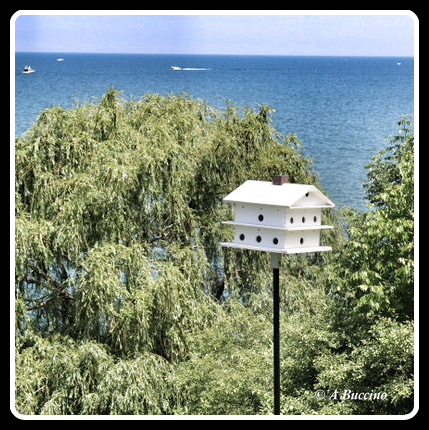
(194,68)
(188,68)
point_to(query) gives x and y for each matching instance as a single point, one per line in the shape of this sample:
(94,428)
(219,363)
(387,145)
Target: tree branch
(162,235)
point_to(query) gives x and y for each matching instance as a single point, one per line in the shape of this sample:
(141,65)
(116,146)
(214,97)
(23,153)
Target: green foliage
(382,363)
(126,304)
(148,173)
(230,369)
(60,376)
(378,279)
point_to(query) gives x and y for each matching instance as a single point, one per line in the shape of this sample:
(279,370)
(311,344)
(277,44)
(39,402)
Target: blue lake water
(341,108)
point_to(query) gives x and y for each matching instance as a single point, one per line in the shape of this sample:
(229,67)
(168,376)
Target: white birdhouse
(277,216)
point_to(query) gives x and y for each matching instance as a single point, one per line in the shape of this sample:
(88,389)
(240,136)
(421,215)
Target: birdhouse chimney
(280,179)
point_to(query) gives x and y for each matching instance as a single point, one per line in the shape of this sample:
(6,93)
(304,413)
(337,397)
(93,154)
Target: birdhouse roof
(286,195)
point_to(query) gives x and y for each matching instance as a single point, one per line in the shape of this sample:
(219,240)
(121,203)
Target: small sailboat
(28,69)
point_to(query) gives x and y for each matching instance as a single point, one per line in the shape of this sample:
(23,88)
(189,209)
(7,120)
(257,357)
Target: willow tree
(118,220)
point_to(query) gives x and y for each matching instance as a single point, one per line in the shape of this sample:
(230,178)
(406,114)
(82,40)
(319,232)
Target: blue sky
(237,33)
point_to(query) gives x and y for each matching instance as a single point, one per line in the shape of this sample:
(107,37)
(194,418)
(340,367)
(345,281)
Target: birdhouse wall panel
(279,239)
(260,215)
(259,237)
(306,238)
(303,217)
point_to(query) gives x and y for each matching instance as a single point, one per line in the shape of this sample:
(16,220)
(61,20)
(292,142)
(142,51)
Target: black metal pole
(276,336)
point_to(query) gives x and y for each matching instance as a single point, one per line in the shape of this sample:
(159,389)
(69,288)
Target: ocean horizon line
(215,54)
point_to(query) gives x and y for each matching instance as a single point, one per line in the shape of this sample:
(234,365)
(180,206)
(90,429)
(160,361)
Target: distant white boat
(59,59)
(175,68)
(28,69)
(398,64)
